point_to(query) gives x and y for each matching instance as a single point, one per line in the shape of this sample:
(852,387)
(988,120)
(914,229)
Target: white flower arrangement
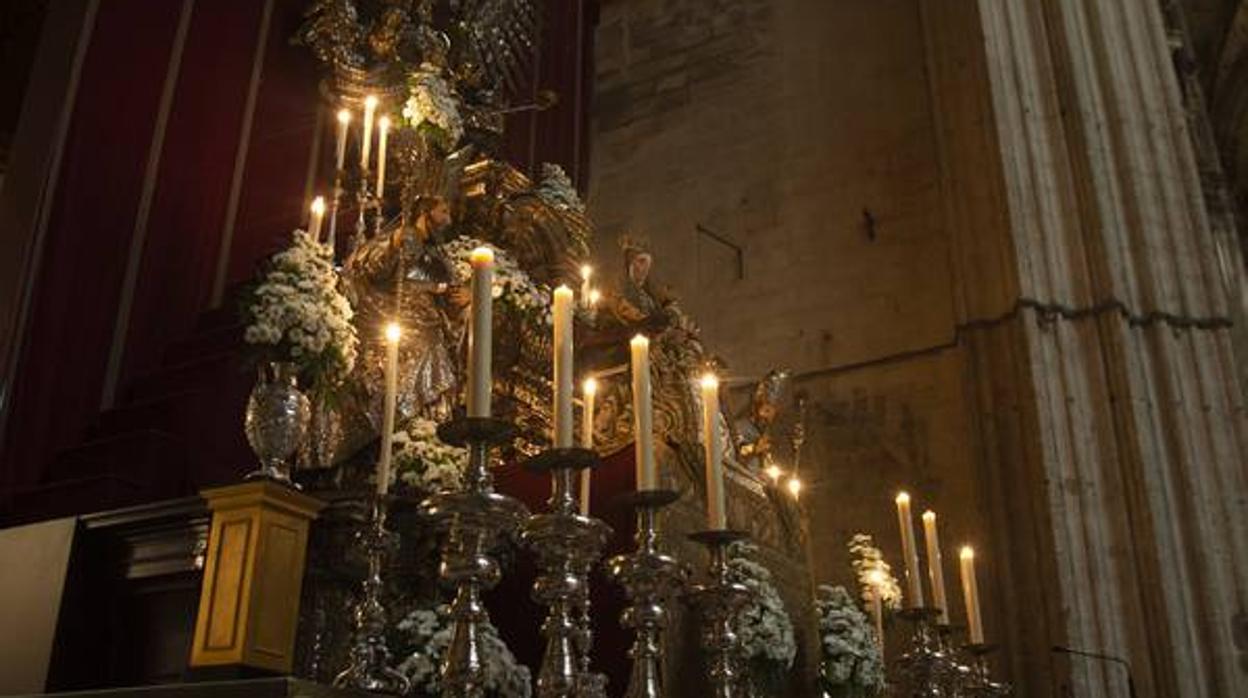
(851,657)
(428,634)
(424,462)
(298,314)
(874,574)
(512,286)
(556,188)
(433,107)
(763,626)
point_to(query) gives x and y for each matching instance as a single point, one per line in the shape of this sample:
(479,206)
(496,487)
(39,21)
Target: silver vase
(276,421)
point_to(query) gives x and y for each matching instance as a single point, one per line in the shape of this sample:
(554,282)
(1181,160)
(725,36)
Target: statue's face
(439,217)
(639,267)
(765,411)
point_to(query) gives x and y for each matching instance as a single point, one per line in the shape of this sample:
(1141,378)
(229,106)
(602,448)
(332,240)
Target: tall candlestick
(935,570)
(370,109)
(970,590)
(383,131)
(480,329)
(908,550)
(344,122)
(589,390)
(393,334)
(643,416)
(586,272)
(716,516)
(318,217)
(563,367)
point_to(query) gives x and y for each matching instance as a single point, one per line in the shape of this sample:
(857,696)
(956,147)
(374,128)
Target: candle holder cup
(718,602)
(567,546)
(369,668)
(650,578)
(473,520)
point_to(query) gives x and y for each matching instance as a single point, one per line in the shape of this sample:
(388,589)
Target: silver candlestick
(925,667)
(370,668)
(473,520)
(566,545)
(718,602)
(650,578)
(978,681)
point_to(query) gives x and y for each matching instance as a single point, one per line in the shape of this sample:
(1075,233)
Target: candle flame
(344,116)
(774,472)
(481,255)
(393,332)
(795,485)
(594,296)
(384,123)
(589,387)
(586,271)
(370,101)
(709,380)
(640,340)
(967,553)
(563,290)
(318,205)
(903,497)
(929,515)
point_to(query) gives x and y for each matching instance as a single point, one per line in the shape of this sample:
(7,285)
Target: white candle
(480,354)
(586,272)
(643,416)
(935,571)
(914,599)
(588,392)
(318,217)
(970,590)
(716,516)
(344,122)
(383,131)
(387,418)
(563,367)
(370,109)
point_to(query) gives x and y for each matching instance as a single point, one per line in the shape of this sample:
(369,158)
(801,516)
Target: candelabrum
(567,546)
(370,669)
(473,520)
(977,680)
(718,602)
(928,670)
(650,578)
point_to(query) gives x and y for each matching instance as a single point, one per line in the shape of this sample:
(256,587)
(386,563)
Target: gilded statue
(754,431)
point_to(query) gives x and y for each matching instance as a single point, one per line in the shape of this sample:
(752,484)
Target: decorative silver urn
(276,421)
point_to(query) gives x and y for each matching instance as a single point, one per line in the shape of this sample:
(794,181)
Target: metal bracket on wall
(736,249)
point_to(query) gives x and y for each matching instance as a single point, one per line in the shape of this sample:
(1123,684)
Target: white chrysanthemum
(512,286)
(851,656)
(424,462)
(427,634)
(763,626)
(868,563)
(431,100)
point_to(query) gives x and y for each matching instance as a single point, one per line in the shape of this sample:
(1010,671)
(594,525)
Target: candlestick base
(718,601)
(650,578)
(927,670)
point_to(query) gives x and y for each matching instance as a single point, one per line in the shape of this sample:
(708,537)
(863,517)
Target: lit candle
(480,354)
(387,418)
(908,550)
(383,130)
(318,217)
(970,590)
(588,391)
(344,121)
(716,516)
(876,579)
(370,109)
(935,571)
(643,416)
(586,272)
(563,367)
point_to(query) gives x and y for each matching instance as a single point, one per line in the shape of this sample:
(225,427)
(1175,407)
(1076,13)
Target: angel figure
(753,431)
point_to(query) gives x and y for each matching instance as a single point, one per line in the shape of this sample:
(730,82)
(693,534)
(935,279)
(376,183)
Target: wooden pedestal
(249,601)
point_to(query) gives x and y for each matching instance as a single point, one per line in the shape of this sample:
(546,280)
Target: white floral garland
(763,627)
(868,563)
(851,657)
(424,462)
(429,632)
(512,285)
(298,314)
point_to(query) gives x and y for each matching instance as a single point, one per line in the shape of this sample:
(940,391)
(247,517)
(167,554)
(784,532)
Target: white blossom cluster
(431,101)
(851,657)
(763,626)
(868,562)
(428,632)
(298,314)
(512,286)
(424,462)
(556,188)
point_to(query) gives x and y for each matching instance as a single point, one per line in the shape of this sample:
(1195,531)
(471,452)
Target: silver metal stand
(718,601)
